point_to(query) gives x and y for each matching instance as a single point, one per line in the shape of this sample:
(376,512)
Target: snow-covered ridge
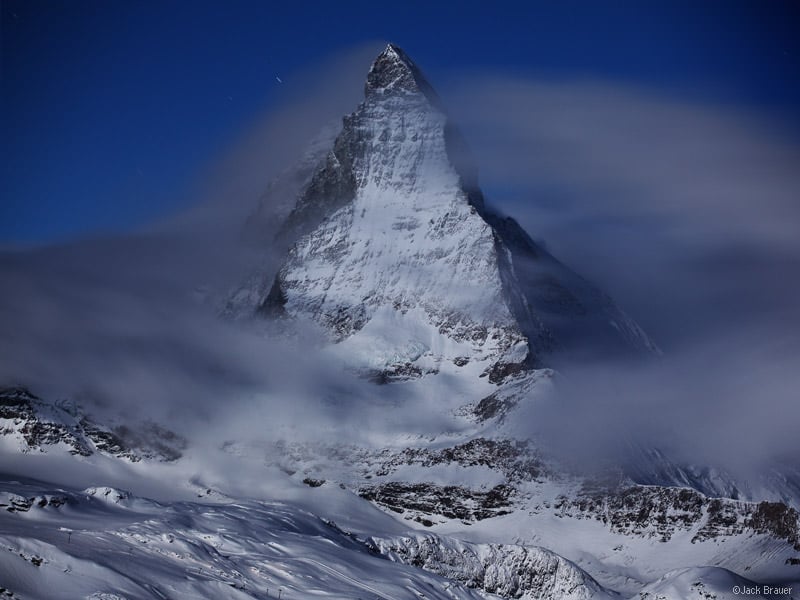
(509,571)
(663,512)
(524,478)
(29,424)
(503,491)
(102,543)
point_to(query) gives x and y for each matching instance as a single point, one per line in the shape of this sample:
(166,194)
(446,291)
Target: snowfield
(103,542)
(106,543)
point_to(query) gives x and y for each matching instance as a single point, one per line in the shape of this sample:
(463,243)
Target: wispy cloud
(130,321)
(643,192)
(688,214)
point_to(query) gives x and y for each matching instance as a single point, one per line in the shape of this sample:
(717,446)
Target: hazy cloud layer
(131,322)
(689,215)
(682,211)
(229,190)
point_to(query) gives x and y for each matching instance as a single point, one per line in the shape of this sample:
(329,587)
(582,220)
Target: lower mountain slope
(516,520)
(104,543)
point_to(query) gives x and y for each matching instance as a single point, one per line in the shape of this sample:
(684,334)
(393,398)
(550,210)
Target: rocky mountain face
(34,425)
(664,512)
(503,490)
(394,253)
(506,570)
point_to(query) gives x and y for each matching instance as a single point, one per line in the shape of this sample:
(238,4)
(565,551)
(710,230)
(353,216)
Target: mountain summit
(393,253)
(394,73)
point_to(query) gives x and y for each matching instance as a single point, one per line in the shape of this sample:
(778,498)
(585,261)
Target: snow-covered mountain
(431,304)
(394,253)
(29,424)
(396,256)
(392,250)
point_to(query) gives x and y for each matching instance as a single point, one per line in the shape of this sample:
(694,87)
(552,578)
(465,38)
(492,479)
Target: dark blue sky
(111,109)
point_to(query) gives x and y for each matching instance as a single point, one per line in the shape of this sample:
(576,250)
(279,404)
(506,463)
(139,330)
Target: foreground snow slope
(709,583)
(102,542)
(491,500)
(105,543)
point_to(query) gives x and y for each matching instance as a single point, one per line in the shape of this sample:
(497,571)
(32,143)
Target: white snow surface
(86,547)
(507,570)
(409,259)
(705,583)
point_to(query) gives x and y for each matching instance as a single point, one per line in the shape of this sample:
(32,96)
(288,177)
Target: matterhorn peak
(393,73)
(391,250)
